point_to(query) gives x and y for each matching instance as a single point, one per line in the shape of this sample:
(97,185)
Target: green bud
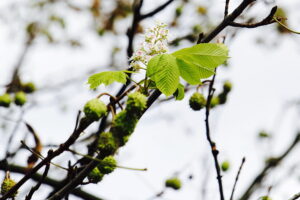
(222,98)
(197,29)
(32,29)
(178,11)
(265,198)
(136,103)
(122,140)
(94,109)
(5,100)
(123,124)
(20,98)
(95,176)
(28,87)
(7,184)
(202,10)
(227,86)
(106,143)
(272,161)
(107,165)
(197,101)
(225,166)
(101,31)
(173,183)
(263,134)
(214,102)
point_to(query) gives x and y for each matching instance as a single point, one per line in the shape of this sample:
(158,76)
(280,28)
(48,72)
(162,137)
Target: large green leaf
(163,70)
(206,57)
(107,78)
(190,73)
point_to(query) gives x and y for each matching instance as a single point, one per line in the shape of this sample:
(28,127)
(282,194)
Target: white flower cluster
(156,40)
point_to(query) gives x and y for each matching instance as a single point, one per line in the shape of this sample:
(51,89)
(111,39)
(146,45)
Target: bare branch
(157,10)
(237,178)
(230,18)
(37,186)
(266,21)
(272,163)
(48,181)
(295,197)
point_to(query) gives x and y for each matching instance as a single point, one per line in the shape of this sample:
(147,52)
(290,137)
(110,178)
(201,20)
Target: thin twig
(13,133)
(48,181)
(37,186)
(212,144)
(15,80)
(84,123)
(295,197)
(157,10)
(111,96)
(237,178)
(40,156)
(272,163)
(226,8)
(230,18)
(266,21)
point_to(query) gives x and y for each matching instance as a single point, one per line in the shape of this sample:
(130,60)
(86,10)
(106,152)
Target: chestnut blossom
(155,43)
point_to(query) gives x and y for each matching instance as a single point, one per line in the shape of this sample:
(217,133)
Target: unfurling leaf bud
(20,98)
(95,176)
(197,101)
(107,165)
(123,124)
(106,143)
(136,103)
(5,100)
(7,184)
(173,183)
(94,109)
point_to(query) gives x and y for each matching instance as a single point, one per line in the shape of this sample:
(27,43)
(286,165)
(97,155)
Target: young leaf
(190,73)
(163,70)
(107,78)
(179,94)
(206,57)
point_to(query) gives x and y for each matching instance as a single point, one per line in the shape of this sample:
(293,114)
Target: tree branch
(295,197)
(157,10)
(153,97)
(237,178)
(268,20)
(37,186)
(48,181)
(227,20)
(84,123)
(272,163)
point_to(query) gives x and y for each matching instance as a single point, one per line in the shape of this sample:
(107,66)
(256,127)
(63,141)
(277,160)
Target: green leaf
(190,73)
(179,94)
(204,57)
(163,70)
(107,78)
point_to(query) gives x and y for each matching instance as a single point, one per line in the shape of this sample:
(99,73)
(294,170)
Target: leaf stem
(284,26)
